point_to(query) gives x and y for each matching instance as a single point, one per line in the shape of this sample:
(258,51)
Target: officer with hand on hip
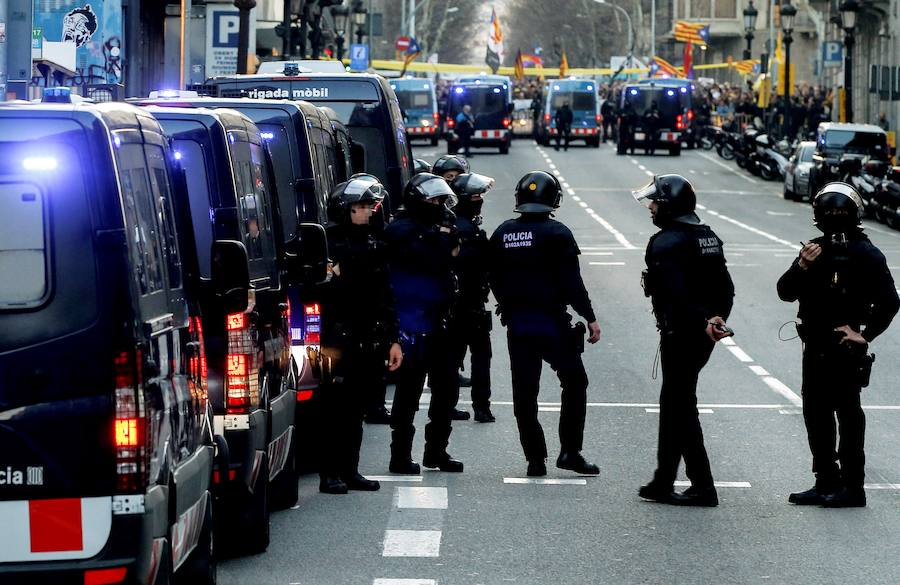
(535,277)
(692,295)
(421,245)
(847,298)
(472,323)
(360,332)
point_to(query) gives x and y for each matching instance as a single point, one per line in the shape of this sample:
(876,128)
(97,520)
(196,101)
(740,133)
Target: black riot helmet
(469,189)
(837,208)
(358,190)
(421,166)
(538,192)
(426,186)
(450,162)
(674,196)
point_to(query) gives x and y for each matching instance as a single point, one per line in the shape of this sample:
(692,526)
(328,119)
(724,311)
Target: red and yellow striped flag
(693,32)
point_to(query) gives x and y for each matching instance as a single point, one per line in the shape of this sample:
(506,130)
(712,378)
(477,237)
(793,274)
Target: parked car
(835,140)
(107,441)
(796,180)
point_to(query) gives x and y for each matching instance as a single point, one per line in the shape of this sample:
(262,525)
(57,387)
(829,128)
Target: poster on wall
(222,28)
(90,28)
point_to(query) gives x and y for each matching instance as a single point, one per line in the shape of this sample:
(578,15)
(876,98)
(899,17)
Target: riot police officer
(692,295)
(421,247)
(563,118)
(535,277)
(361,329)
(847,299)
(449,166)
(421,166)
(471,323)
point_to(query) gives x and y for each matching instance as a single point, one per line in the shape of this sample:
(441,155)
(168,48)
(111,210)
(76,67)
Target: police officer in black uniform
(535,277)
(471,323)
(847,299)
(563,118)
(692,295)
(360,332)
(422,244)
(608,113)
(449,166)
(421,166)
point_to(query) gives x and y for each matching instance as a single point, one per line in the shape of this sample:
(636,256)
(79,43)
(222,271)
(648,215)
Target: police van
(229,196)
(365,104)
(637,99)
(490,109)
(418,105)
(107,446)
(581,95)
(348,155)
(503,80)
(685,89)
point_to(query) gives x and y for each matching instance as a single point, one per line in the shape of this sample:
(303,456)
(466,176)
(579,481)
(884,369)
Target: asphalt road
(482,527)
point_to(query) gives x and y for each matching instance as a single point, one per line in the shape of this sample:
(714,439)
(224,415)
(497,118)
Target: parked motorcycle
(769,159)
(866,176)
(886,199)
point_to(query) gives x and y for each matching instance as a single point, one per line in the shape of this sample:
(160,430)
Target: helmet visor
(363,189)
(646,193)
(436,188)
(477,184)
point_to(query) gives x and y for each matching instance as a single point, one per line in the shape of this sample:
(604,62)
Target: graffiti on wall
(94,27)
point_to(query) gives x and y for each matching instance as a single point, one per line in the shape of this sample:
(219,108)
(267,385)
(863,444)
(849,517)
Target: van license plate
(639,136)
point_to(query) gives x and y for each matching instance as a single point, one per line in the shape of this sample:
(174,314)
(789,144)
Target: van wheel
(504,149)
(201,567)
(620,148)
(675,150)
(256,538)
(434,141)
(596,142)
(788,194)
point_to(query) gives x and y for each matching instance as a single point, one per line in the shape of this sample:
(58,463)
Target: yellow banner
(511,71)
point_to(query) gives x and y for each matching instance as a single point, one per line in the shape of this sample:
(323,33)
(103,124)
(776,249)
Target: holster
(576,334)
(864,369)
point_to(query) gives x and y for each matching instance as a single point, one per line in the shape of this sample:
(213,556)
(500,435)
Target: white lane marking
(582,204)
(882,486)
(790,411)
(780,213)
(396,478)
(412,543)
(782,389)
(552,166)
(422,498)
(566,185)
(740,354)
(557,173)
(693,172)
(549,408)
(403,582)
(726,167)
(574,196)
(882,407)
(649,173)
(718,484)
(699,410)
(752,229)
(634,160)
(620,237)
(759,370)
(596,253)
(607,263)
(727,341)
(543,481)
(642,167)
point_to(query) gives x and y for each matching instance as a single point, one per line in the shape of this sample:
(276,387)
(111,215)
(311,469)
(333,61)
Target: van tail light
(690,115)
(506,122)
(679,122)
(241,375)
(598,118)
(451,123)
(129,431)
(312,324)
(437,118)
(546,118)
(304,395)
(104,576)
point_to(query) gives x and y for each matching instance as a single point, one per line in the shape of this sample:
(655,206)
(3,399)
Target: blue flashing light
(169,93)
(57,95)
(683,90)
(231,137)
(633,92)
(478,82)
(177,155)
(270,135)
(670,93)
(496,90)
(393,86)
(117,141)
(590,88)
(459,90)
(40,163)
(556,87)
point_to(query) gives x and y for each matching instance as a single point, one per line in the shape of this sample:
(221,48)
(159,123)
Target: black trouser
(465,144)
(377,392)
(472,335)
(607,126)
(526,356)
(651,139)
(563,131)
(345,395)
(829,390)
(429,355)
(682,357)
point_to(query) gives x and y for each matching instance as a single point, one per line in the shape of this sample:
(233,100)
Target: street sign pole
(4,65)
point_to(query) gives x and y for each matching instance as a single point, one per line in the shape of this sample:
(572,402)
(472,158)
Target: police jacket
(357,301)
(420,259)
(608,109)
(535,275)
(846,285)
(471,266)
(686,278)
(564,117)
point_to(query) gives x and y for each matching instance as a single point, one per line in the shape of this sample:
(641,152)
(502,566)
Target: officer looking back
(847,299)
(421,166)
(361,329)
(421,246)
(692,295)
(535,277)
(449,166)
(471,323)
(563,118)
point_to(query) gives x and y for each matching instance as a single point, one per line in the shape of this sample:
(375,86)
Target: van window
(853,142)
(23,250)
(194,163)
(253,204)
(162,194)
(578,100)
(415,101)
(140,223)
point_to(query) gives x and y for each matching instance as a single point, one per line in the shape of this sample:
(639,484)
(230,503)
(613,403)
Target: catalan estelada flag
(693,32)
(411,53)
(520,66)
(494,54)
(563,66)
(746,66)
(660,67)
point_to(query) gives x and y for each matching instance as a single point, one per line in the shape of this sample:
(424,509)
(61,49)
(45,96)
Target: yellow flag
(779,54)
(563,66)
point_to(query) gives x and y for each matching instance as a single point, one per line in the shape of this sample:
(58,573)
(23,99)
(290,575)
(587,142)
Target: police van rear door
(488,104)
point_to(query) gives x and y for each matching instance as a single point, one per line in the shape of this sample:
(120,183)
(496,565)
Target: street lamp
(630,28)
(360,15)
(848,9)
(244,7)
(340,14)
(750,14)
(788,12)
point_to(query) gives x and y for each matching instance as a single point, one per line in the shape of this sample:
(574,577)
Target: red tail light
(437,118)
(690,114)
(679,122)
(104,576)
(236,321)
(128,429)
(304,395)
(598,118)
(546,118)
(506,122)
(451,123)
(312,324)
(241,373)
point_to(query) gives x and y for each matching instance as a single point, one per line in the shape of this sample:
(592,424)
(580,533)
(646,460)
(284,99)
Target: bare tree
(454,35)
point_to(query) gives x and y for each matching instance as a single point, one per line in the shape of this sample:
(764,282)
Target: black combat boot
(815,496)
(442,461)
(484,415)
(846,498)
(696,496)
(332,485)
(657,493)
(537,468)
(359,483)
(574,461)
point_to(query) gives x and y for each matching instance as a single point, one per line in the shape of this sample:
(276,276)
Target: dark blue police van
(106,434)
(491,110)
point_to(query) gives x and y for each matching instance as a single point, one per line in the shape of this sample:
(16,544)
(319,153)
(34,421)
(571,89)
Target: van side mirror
(358,157)
(230,273)
(306,256)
